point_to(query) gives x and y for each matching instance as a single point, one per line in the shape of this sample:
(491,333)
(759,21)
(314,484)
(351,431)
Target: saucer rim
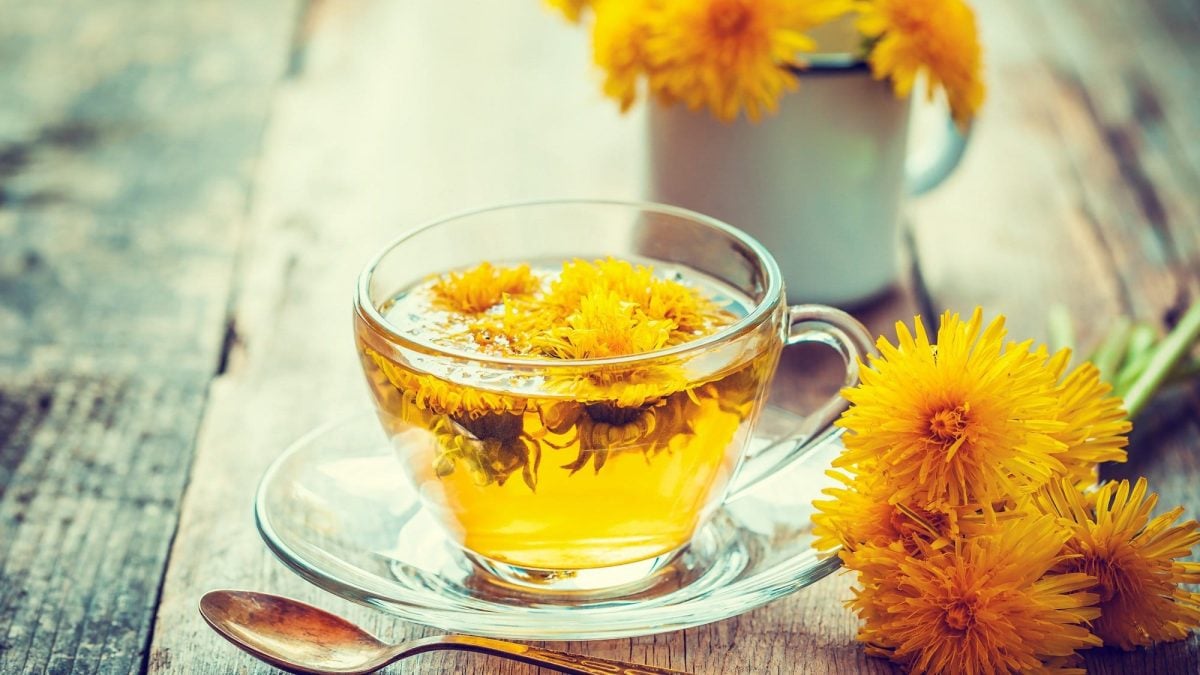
(591,623)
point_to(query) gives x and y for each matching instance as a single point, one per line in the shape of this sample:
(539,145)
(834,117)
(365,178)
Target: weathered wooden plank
(87,520)
(1132,96)
(126,140)
(127,136)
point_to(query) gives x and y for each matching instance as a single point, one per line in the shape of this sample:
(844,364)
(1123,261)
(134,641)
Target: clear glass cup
(588,474)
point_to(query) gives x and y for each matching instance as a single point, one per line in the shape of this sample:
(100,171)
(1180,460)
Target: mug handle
(924,171)
(832,328)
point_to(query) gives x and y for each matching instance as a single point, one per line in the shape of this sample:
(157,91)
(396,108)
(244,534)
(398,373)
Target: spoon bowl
(301,638)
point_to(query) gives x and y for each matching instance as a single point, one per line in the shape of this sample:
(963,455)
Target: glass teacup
(544,469)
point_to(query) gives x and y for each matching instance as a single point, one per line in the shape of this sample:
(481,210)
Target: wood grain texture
(127,138)
(87,516)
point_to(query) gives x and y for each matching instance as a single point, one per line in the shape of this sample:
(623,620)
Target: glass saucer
(337,509)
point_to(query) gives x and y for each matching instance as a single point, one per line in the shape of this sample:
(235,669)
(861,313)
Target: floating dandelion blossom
(483,287)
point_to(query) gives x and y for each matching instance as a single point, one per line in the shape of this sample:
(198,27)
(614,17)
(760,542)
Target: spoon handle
(548,658)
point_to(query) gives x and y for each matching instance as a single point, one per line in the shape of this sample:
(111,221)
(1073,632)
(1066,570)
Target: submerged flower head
(934,37)
(732,55)
(968,422)
(1134,558)
(985,605)
(428,393)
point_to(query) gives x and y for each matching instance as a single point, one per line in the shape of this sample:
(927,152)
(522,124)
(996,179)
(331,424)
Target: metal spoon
(300,638)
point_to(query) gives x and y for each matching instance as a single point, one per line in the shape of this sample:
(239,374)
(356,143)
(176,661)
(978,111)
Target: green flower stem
(1130,373)
(1141,340)
(1177,344)
(1137,354)
(1108,355)
(1061,328)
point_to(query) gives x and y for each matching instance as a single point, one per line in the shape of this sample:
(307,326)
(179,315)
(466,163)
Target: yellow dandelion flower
(605,324)
(936,37)
(618,46)
(572,10)
(966,423)
(731,55)
(690,314)
(1134,558)
(581,277)
(483,287)
(859,514)
(986,605)
(1095,424)
(506,329)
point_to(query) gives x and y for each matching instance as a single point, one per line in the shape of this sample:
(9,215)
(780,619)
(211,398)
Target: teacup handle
(833,328)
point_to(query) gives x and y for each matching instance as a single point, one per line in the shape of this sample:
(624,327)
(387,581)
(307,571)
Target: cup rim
(771,297)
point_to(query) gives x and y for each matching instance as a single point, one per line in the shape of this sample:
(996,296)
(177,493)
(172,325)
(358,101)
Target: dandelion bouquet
(968,510)
(732,56)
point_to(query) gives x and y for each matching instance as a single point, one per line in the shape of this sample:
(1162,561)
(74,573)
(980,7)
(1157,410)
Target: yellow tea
(594,466)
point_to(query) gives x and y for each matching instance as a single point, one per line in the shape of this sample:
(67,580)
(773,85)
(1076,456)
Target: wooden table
(187,191)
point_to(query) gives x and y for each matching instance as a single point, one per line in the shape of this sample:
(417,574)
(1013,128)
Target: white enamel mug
(820,183)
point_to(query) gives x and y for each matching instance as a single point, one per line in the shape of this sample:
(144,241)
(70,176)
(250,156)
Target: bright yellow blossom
(604,324)
(732,55)
(937,38)
(689,313)
(962,510)
(483,287)
(618,46)
(1096,426)
(967,423)
(428,393)
(740,55)
(985,605)
(1134,558)
(859,514)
